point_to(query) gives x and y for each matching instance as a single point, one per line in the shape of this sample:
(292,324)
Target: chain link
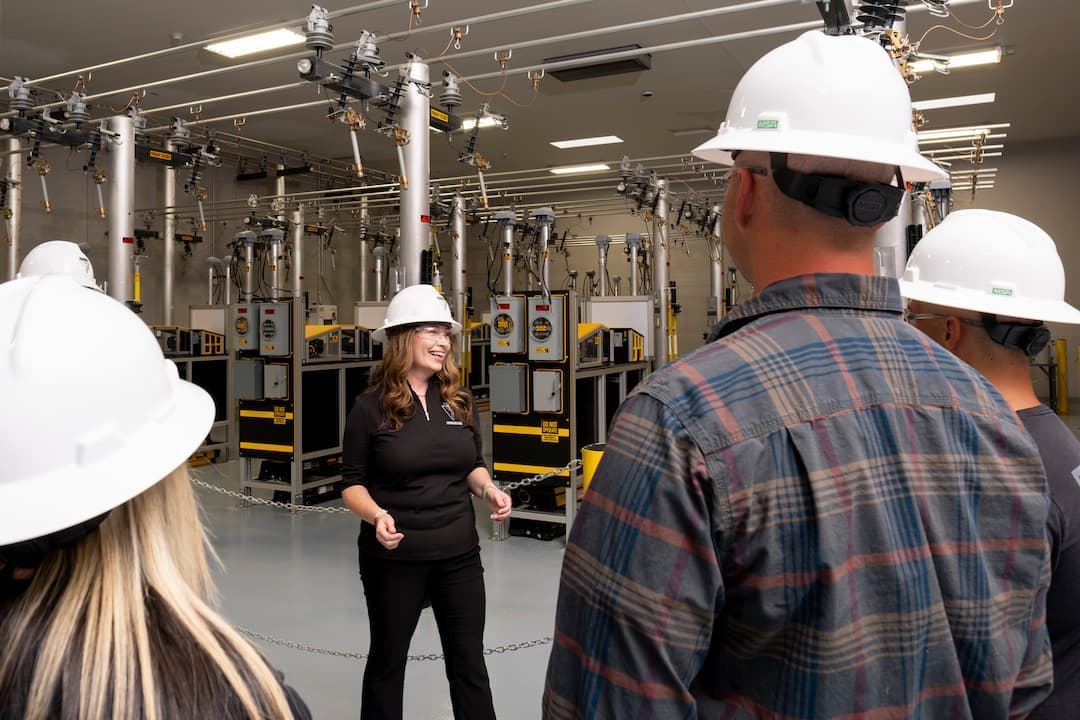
(271,503)
(430,657)
(571,466)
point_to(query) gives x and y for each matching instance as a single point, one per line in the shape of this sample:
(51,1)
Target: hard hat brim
(40,504)
(915,167)
(1056,311)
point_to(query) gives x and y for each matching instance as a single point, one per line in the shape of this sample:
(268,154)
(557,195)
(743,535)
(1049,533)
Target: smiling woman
(410,470)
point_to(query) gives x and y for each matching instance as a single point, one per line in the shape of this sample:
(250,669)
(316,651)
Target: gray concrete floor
(294,576)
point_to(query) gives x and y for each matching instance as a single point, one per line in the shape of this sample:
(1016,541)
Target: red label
(128,241)
(242,310)
(425,219)
(543,308)
(503,306)
(268,311)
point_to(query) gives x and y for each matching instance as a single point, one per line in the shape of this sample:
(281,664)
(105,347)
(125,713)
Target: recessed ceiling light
(693,131)
(951,62)
(575,169)
(957,101)
(587,142)
(259,42)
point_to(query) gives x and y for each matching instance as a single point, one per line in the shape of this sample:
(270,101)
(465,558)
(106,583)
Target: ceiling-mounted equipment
(600,68)
(318,32)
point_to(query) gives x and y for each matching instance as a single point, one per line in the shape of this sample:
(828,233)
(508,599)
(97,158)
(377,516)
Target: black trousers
(396,592)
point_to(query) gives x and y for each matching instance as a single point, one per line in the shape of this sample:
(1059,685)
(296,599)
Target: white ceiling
(686,88)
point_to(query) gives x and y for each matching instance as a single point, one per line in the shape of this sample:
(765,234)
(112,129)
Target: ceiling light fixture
(587,142)
(956,101)
(485,122)
(951,62)
(960,138)
(967,156)
(257,43)
(575,169)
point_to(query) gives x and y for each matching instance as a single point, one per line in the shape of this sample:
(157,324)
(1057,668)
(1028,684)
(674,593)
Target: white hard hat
(990,262)
(830,96)
(93,414)
(59,256)
(414,305)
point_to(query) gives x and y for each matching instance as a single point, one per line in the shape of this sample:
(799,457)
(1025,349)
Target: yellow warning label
(158,155)
(549,431)
(438,115)
(279,415)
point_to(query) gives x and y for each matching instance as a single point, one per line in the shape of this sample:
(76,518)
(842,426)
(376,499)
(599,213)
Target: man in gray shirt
(981,284)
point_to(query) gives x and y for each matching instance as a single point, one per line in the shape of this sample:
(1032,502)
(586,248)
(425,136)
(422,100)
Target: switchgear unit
(547,328)
(245,320)
(274,329)
(507,324)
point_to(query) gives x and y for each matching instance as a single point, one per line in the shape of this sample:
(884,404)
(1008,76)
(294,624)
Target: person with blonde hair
(412,457)
(105,586)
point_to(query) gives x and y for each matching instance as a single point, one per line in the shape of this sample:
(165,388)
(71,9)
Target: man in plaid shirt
(821,513)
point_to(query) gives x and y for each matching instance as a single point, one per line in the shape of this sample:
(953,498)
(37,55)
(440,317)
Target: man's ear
(744,201)
(953,330)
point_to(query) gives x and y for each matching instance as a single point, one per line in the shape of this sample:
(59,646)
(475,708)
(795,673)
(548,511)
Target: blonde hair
(120,625)
(390,380)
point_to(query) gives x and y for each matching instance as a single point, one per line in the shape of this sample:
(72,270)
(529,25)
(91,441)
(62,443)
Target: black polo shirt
(418,473)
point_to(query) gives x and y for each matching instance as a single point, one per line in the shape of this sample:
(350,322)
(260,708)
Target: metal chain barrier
(430,657)
(498,650)
(571,466)
(272,503)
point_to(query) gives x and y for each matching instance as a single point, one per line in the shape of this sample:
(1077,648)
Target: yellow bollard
(590,458)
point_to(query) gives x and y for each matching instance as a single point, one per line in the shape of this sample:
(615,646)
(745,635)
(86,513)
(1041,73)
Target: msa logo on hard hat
(768,124)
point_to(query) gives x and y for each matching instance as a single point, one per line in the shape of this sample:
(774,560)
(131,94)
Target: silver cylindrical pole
(603,242)
(14,174)
(279,186)
(275,241)
(379,253)
(365,265)
(121,206)
(890,242)
(296,273)
(457,266)
(228,262)
(247,265)
(660,274)
(506,220)
(210,284)
(545,216)
(415,193)
(169,232)
(633,241)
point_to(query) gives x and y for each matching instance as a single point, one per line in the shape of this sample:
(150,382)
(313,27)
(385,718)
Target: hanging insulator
(879,14)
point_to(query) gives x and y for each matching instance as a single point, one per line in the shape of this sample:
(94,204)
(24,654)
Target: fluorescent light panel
(587,142)
(967,157)
(960,138)
(574,169)
(260,42)
(971,59)
(983,171)
(955,101)
(945,133)
(946,151)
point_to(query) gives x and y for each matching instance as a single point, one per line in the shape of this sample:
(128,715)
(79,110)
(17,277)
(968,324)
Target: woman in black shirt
(412,456)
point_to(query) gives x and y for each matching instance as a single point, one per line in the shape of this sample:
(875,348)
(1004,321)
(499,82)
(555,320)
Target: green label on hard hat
(1001,291)
(768,124)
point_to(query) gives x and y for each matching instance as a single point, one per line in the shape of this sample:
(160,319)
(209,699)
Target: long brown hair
(390,380)
(119,626)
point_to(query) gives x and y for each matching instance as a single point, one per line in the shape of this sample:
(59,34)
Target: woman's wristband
(378,514)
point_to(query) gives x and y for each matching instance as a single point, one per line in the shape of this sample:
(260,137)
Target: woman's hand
(386,533)
(498,502)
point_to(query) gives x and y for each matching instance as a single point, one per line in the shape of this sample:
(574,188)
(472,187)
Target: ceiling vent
(601,68)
